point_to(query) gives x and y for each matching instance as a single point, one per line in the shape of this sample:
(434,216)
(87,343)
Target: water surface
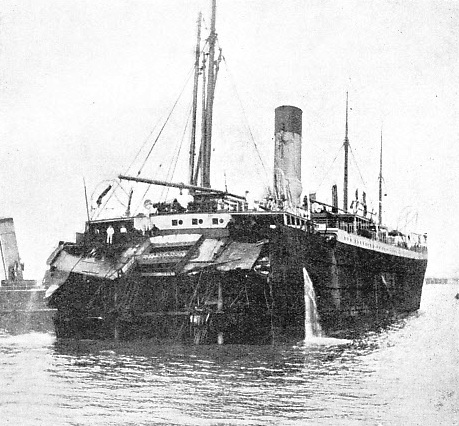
(405,374)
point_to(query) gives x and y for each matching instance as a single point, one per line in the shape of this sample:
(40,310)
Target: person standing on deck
(110,232)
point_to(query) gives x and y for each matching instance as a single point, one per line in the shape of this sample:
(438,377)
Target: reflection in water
(388,377)
(244,383)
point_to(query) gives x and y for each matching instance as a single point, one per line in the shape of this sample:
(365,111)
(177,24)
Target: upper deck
(363,232)
(348,228)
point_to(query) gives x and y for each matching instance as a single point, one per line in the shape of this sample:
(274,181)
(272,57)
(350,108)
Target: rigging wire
(172,166)
(333,162)
(252,139)
(329,168)
(118,183)
(167,120)
(143,145)
(409,215)
(177,155)
(159,121)
(148,137)
(156,140)
(357,165)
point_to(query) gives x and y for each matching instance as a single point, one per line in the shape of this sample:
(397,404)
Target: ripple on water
(406,373)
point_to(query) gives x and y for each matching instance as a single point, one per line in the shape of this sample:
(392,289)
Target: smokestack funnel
(287,154)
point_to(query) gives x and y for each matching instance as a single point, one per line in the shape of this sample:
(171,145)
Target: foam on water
(325,341)
(28,340)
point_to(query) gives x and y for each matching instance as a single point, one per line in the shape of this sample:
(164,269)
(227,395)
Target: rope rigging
(326,174)
(261,171)
(117,184)
(167,120)
(173,166)
(357,166)
(329,168)
(246,122)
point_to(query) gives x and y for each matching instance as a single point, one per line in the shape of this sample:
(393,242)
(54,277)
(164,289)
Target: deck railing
(412,241)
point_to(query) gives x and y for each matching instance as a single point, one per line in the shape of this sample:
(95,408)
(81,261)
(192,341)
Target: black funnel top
(288,119)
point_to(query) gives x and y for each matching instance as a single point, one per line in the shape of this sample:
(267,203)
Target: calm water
(407,374)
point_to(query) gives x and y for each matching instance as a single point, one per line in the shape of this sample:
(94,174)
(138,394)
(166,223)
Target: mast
(195,102)
(380,183)
(86,200)
(346,157)
(210,101)
(203,124)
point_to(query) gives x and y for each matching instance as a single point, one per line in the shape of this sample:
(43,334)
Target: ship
(22,305)
(224,268)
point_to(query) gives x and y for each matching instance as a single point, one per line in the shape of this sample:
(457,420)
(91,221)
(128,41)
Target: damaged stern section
(195,287)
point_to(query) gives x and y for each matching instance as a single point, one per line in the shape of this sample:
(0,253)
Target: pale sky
(84,83)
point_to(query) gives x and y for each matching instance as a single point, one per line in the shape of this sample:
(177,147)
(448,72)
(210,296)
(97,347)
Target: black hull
(355,287)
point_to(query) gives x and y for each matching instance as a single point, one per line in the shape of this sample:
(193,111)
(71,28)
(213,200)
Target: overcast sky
(84,83)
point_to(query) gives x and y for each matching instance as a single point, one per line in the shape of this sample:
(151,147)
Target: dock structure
(22,304)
